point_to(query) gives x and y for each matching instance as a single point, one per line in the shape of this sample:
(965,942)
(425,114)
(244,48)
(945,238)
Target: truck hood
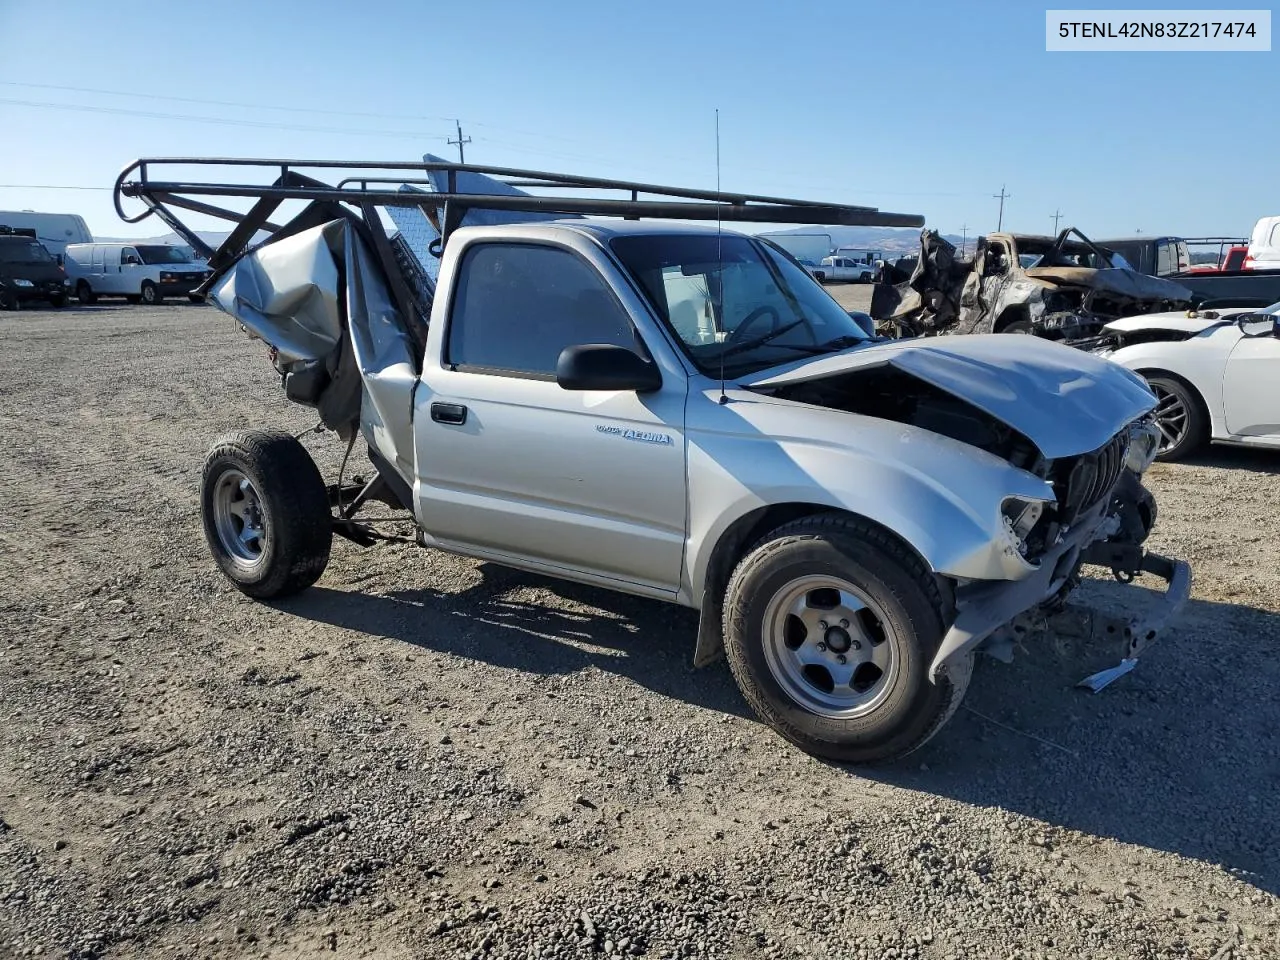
(1113,280)
(1063,400)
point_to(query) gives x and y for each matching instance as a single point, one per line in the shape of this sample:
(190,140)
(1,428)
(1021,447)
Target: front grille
(1082,482)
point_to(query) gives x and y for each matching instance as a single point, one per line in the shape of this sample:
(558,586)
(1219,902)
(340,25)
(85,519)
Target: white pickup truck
(839,269)
(677,412)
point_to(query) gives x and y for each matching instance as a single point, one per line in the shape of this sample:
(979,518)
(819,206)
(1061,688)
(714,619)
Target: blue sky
(915,107)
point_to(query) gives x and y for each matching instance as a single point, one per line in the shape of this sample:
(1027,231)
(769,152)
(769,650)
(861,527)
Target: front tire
(149,294)
(830,628)
(266,513)
(1180,416)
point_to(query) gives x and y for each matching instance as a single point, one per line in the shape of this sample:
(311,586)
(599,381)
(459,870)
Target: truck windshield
(13,250)
(735,301)
(162,253)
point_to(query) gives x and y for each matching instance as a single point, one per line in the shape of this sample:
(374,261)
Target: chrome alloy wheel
(1171,417)
(238,517)
(828,647)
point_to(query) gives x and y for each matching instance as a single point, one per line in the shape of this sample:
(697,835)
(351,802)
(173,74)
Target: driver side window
(518,305)
(997,260)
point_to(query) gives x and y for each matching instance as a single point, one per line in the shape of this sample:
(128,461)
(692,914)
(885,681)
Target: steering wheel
(739,332)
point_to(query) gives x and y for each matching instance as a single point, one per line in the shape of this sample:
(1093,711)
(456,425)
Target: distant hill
(213,238)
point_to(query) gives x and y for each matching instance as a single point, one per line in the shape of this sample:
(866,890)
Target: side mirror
(603,366)
(1275,326)
(131,261)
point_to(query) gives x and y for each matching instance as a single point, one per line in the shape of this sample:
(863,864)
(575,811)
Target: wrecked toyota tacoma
(678,412)
(1060,288)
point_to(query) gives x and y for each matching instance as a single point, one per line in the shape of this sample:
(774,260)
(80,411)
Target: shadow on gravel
(1236,458)
(508,620)
(1182,754)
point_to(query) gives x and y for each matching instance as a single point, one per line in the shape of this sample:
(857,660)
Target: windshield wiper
(827,346)
(765,338)
(839,343)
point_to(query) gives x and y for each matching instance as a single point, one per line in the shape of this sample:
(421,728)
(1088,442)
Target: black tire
(1019,326)
(85,294)
(150,293)
(58,302)
(292,512)
(1180,437)
(195,298)
(911,709)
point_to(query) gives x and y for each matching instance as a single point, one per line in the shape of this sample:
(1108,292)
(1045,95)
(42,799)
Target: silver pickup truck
(678,412)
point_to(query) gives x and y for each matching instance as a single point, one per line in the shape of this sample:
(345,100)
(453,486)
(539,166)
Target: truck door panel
(592,481)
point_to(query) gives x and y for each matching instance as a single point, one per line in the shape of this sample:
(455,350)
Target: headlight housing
(22,283)
(1020,516)
(1144,444)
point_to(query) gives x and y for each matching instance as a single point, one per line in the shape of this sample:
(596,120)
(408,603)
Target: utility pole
(964,237)
(1057,215)
(461,141)
(1002,197)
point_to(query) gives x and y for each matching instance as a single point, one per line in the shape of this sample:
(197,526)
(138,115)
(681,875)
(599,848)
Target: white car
(1215,373)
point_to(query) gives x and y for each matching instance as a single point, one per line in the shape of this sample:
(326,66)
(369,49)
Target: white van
(139,272)
(53,230)
(1264,245)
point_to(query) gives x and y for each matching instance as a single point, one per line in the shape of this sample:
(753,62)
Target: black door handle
(454,413)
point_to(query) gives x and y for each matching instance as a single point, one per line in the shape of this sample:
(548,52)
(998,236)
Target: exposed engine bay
(1079,483)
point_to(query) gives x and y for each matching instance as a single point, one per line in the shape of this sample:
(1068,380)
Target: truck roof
(607,229)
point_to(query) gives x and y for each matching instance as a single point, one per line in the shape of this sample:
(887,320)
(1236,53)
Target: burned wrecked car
(671,410)
(1061,288)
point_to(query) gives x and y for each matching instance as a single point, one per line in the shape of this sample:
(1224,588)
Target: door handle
(454,413)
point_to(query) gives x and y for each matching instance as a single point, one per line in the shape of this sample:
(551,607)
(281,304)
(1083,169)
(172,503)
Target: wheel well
(739,538)
(743,533)
(1011,315)
(1149,372)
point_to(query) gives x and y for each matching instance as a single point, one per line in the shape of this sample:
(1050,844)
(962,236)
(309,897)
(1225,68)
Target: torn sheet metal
(467,182)
(319,300)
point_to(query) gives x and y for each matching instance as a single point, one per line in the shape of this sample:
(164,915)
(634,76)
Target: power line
(45,186)
(266,106)
(223,121)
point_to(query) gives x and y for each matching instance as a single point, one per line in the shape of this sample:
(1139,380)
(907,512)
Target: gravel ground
(425,756)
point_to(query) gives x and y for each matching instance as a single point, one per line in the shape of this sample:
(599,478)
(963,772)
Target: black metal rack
(369,184)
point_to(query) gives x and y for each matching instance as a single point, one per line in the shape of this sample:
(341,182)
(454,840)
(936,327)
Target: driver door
(513,466)
(1251,383)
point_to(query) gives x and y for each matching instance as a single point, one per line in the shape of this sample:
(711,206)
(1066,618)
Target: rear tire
(266,513)
(830,628)
(1181,417)
(85,294)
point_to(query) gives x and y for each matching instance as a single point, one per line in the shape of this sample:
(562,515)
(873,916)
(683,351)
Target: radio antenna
(719,295)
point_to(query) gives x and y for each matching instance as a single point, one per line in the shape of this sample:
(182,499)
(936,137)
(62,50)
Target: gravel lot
(425,756)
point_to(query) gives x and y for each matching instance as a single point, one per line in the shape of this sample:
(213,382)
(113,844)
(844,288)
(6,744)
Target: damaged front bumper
(985,610)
